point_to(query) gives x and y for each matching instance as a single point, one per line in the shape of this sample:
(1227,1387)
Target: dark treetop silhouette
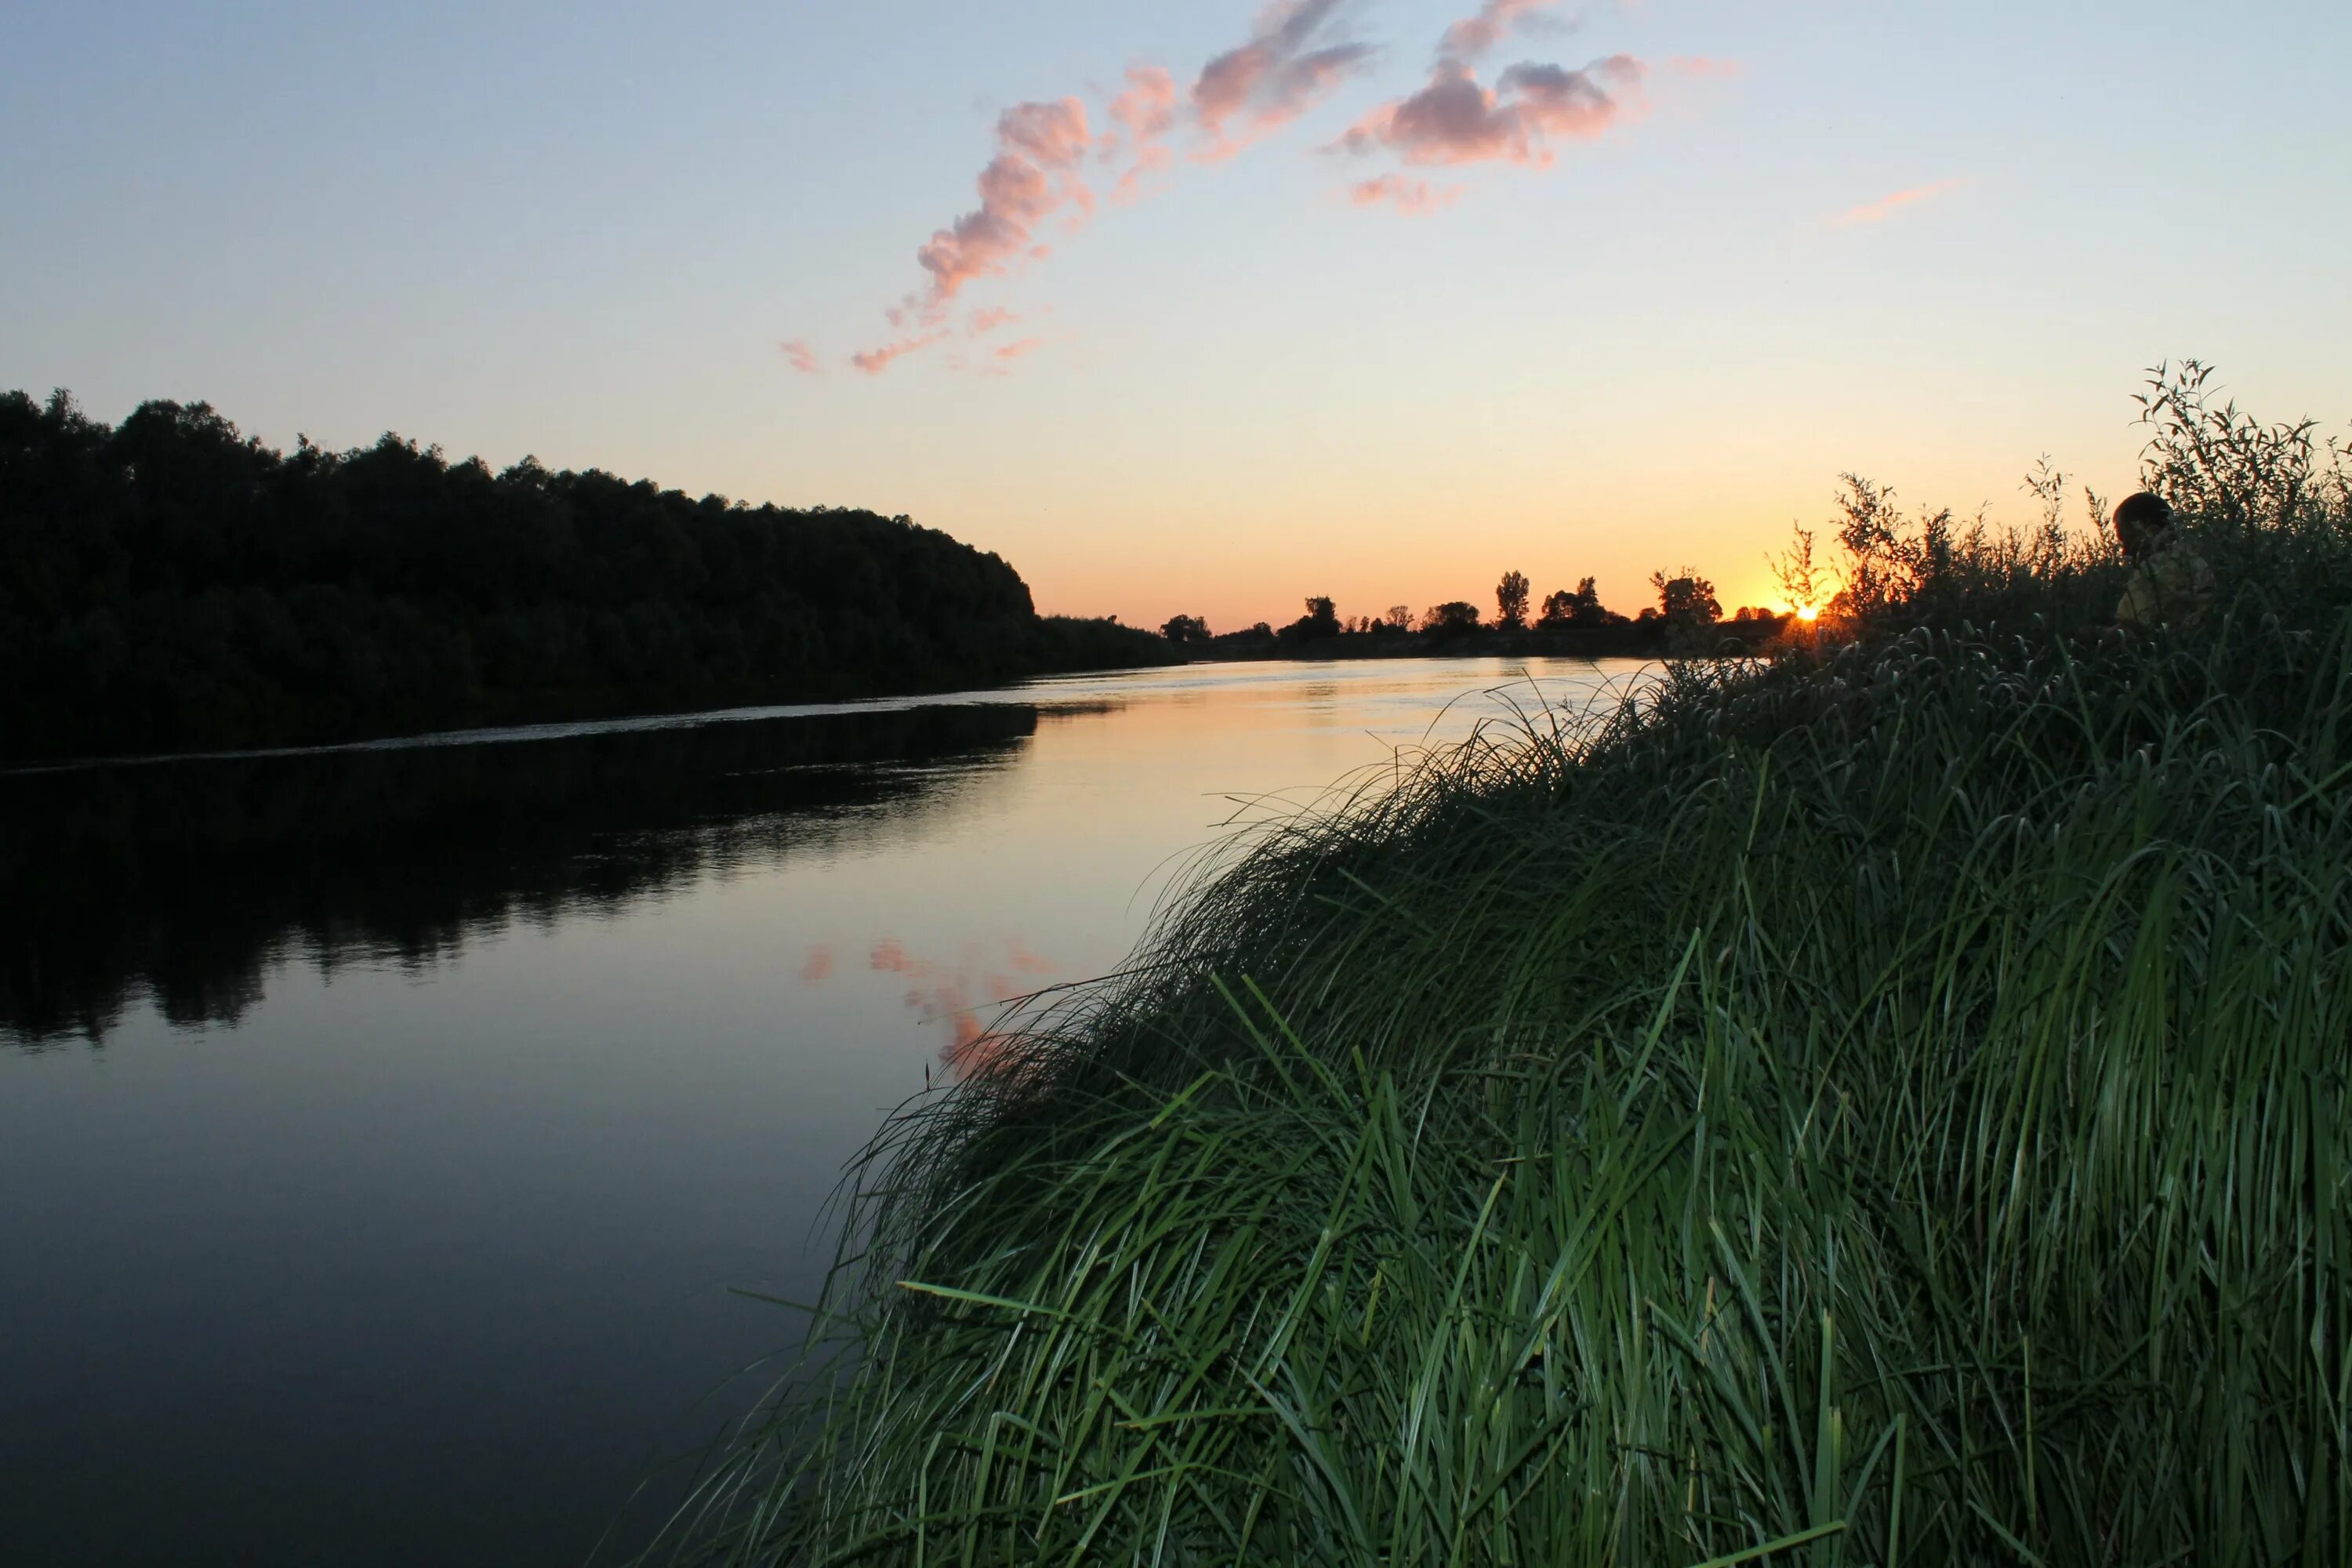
(170,584)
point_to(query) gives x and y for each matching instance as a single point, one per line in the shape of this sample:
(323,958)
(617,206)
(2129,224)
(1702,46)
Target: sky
(1200,306)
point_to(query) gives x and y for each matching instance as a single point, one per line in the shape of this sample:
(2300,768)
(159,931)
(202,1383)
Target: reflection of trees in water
(190,880)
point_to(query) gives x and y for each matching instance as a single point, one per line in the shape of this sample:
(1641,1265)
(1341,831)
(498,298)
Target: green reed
(1876,1105)
(1881,1105)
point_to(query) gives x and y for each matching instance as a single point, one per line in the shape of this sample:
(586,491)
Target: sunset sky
(1199,307)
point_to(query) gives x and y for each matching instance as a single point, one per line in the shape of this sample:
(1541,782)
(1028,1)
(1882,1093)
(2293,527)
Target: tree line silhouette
(170,583)
(1687,618)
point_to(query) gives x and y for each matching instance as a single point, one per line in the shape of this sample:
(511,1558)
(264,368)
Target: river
(388,1134)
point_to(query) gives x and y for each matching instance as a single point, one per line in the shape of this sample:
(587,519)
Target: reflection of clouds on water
(189,885)
(955,994)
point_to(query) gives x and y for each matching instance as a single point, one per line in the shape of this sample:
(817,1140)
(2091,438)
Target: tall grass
(1878,1106)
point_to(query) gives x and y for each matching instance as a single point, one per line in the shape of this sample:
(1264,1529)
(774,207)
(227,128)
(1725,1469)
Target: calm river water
(385,1132)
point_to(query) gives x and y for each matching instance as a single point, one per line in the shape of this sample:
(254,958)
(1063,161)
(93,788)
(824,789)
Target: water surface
(385,1133)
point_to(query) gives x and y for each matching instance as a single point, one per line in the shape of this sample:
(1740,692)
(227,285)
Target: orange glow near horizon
(1233,596)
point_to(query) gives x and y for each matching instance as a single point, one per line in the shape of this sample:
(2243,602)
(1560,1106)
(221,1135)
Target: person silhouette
(2171,587)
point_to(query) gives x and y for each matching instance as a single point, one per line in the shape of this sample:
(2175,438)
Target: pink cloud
(801,358)
(1705,66)
(1053,135)
(1040,150)
(1284,69)
(1296,55)
(1885,207)
(1412,197)
(1497,20)
(1456,119)
(874,361)
(1147,110)
(1148,160)
(819,965)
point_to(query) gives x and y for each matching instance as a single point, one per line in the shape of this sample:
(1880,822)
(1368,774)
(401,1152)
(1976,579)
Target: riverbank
(1709,1127)
(1880,1102)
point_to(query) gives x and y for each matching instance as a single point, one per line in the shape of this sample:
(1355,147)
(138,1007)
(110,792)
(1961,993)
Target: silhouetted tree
(1687,599)
(172,584)
(1581,608)
(1586,607)
(1185,630)
(1451,618)
(1400,617)
(1321,621)
(1511,601)
(1806,583)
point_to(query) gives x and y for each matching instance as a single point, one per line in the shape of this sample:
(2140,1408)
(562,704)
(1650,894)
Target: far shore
(1638,640)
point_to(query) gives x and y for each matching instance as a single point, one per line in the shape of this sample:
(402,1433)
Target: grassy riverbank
(1881,1104)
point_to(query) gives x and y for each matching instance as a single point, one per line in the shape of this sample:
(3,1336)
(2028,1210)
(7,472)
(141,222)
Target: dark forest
(170,584)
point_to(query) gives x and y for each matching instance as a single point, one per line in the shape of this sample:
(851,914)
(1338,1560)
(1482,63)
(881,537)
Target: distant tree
(1687,599)
(1321,621)
(1400,617)
(1451,618)
(1581,607)
(1184,630)
(1511,601)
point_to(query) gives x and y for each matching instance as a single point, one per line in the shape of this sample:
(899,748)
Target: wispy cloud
(1040,150)
(1885,207)
(1145,114)
(1412,197)
(874,361)
(1497,19)
(801,358)
(1297,54)
(1291,63)
(1456,119)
